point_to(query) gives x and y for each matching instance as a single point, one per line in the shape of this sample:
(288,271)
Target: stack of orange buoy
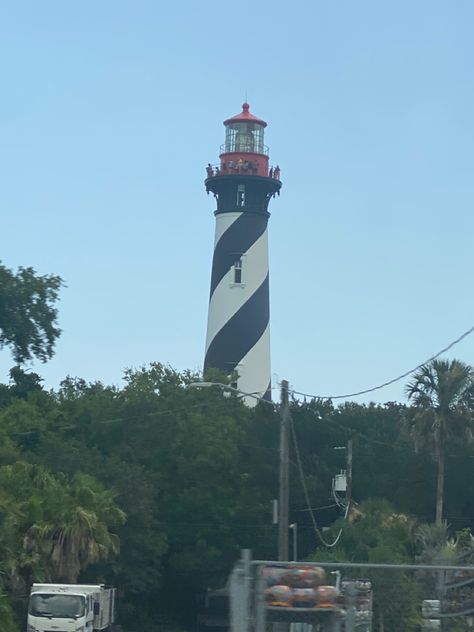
(298,587)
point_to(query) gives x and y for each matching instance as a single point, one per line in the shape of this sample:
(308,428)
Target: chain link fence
(370,598)
(403,598)
(346,597)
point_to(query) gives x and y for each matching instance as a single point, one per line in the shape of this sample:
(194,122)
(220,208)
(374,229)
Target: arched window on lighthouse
(241,195)
(238,271)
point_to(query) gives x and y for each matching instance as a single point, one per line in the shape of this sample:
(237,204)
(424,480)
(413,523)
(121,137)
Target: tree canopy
(154,488)
(28,316)
(442,394)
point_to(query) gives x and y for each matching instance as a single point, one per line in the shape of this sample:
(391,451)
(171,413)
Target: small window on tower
(238,271)
(241,195)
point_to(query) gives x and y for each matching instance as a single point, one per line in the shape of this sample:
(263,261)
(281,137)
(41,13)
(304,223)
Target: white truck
(71,608)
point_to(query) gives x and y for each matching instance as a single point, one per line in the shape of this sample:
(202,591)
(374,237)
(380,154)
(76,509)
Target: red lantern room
(244,152)
(244,149)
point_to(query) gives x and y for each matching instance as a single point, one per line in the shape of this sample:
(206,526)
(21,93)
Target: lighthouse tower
(238,328)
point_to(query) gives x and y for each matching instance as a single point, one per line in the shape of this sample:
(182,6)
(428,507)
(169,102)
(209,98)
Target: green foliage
(195,473)
(377,534)
(57,526)
(457,624)
(7,617)
(385,465)
(381,535)
(27,313)
(51,527)
(442,394)
(184,466)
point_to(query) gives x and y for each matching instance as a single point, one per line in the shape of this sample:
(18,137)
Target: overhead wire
(395,379)
(128,418)
(394,445)
(328,545)
(317,508)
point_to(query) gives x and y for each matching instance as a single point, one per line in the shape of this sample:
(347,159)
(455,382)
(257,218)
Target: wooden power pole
(284,475)
(349,477)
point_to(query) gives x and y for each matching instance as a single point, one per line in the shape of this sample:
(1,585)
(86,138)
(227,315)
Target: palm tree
(442,395)
(79,533)
(58,526)
(7,619)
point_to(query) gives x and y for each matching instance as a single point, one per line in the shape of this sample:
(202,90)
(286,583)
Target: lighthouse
(238,327)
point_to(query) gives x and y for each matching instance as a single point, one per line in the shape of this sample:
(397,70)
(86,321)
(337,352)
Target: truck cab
(70,608)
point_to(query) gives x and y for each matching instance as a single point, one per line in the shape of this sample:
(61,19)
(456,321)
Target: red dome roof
(244,116)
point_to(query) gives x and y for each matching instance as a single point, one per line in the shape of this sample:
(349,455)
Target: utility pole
(349,477)
(294,529)
(284,475)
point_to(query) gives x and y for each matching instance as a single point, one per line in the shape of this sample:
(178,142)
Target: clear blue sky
(111,110)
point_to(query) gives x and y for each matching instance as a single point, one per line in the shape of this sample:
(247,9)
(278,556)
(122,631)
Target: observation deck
(243,179)
(242,167)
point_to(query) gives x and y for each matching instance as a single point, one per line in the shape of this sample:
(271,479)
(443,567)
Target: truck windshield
(54,605)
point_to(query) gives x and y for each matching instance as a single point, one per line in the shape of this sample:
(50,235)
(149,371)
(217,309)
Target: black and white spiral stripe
(238,336)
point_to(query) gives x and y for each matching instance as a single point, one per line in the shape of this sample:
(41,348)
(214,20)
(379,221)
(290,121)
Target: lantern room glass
(244,137)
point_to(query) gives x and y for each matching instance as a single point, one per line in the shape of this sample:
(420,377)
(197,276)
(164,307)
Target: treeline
(155,488)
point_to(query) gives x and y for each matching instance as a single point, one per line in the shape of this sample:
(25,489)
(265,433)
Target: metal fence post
(351,608)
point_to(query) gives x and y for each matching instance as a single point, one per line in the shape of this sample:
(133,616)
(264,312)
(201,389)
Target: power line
(329,545)
(394,445)
(396,379)
(138,418)
(317,508)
